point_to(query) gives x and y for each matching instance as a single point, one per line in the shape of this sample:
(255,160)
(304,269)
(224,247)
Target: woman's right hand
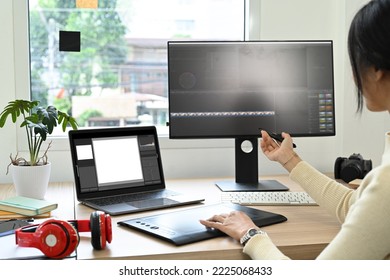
(281,152)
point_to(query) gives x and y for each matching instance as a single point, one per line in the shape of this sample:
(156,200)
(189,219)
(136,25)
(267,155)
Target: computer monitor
(234,89)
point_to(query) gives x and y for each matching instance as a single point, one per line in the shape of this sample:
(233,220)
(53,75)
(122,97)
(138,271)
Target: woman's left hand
(234,224)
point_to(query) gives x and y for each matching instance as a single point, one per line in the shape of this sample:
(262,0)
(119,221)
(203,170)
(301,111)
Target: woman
(364,213)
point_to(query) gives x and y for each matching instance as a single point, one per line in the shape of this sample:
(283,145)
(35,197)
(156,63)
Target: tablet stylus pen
(276,137)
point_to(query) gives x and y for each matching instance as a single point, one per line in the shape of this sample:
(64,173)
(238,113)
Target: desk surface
(308,229)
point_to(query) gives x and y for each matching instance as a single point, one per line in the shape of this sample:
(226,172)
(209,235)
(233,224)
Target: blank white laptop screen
(117,160)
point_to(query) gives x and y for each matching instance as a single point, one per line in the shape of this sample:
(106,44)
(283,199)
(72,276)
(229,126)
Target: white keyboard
(268,198)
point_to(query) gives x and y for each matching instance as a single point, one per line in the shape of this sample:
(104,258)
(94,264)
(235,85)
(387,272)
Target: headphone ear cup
(56,239)
(108,228)
(101,229)
(98,234)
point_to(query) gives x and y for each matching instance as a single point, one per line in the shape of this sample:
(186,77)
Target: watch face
(252,232)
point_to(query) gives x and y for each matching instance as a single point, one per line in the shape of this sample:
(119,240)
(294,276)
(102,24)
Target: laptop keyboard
(132,197)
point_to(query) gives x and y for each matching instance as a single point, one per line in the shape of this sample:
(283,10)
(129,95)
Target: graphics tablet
(183,226)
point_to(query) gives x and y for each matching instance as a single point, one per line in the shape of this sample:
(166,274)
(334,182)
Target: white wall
(7,83)
(280,19)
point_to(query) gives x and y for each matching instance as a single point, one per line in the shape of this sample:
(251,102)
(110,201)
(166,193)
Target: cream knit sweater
(364,214)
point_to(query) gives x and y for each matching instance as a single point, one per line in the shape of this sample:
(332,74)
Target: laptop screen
(104,153)
(115,158)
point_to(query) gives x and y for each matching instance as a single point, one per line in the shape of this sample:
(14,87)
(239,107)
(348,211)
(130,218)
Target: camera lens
(350,172)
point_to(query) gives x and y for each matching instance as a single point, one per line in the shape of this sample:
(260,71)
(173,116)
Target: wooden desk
(308,229)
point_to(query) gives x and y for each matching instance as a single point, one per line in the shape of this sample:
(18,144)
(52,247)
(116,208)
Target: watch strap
(249,234)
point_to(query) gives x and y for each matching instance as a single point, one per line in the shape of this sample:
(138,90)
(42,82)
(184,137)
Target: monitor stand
(247,171)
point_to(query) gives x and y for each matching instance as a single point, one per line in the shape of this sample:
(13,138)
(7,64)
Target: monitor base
(261,186)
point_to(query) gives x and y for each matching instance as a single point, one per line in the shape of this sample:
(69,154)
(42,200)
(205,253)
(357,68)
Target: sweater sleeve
(328,193)
(364,234)
(261,247)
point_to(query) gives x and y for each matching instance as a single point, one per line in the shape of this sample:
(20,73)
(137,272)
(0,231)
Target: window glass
(107,66)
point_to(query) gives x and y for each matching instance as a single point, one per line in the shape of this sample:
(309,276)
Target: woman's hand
(281,152)
(235,224)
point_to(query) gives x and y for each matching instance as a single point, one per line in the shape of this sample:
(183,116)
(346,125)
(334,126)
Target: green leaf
(16,108)
(3,118)
(39,128)
(64,124)
(48,116)
(60,117)
(31,122)
(73,123)
(14,116)
(65,119)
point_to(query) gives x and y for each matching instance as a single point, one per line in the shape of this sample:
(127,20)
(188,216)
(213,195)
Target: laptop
(119,170)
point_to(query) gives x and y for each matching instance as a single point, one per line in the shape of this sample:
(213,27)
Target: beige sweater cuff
(260,247)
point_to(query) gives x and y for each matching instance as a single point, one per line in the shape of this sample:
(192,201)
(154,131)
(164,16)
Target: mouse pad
(183,227)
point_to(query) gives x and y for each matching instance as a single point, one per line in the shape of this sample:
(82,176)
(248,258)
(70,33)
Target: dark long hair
(369,41)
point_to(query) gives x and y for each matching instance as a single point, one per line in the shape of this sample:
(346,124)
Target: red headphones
(58,239)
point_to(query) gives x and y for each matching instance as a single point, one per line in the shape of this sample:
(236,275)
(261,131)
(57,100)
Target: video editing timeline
(222,114)
(315,114)
(320,113)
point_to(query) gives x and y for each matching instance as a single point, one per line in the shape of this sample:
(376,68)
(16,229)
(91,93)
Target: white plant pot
(31,181)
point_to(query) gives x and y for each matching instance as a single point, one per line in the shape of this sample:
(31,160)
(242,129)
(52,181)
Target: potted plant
(38,122)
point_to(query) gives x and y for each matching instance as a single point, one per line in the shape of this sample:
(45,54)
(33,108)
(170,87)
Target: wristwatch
(249,234)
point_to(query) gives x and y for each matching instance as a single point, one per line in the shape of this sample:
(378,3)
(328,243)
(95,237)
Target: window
(108,66)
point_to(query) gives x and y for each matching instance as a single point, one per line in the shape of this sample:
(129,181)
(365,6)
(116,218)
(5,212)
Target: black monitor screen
(234,89)
(231,89)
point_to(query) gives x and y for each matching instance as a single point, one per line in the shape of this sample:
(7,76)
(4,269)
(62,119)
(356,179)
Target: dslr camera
(349,169)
